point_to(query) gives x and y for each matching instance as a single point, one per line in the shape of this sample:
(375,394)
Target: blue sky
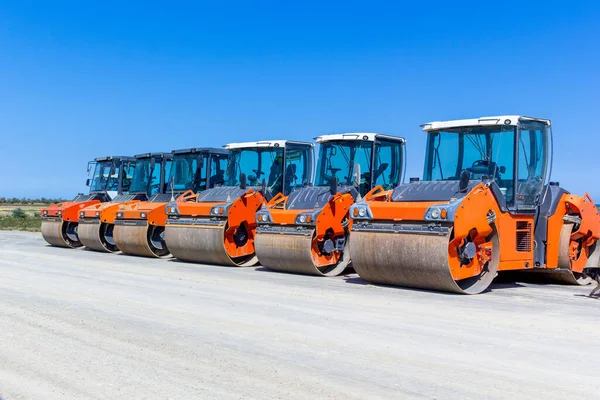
(79,81)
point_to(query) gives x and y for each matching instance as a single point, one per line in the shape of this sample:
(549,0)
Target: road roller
(140,227)
(486,204)
(60,222)
(97,222)
(218,226)
(308,231)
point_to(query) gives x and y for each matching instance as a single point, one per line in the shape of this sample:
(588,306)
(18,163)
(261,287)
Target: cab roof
(214,150)
(357,136)
(265,143)
(147,155)
(509,120)
(115,158)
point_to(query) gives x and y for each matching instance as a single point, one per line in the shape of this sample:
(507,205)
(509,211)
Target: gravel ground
(83,325)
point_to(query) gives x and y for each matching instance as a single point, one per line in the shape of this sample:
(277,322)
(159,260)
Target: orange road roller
(97,222)
(308,231)
(485,204)
(60,222)
(140,227)
(218,226)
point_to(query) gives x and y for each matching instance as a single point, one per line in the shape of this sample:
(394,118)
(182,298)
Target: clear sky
(79,81)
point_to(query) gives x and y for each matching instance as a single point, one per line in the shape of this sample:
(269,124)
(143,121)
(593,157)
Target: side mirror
(243,182)
(356,175)
(463,183)
(88,182)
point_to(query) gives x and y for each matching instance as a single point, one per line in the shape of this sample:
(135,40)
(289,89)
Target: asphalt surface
(83,325)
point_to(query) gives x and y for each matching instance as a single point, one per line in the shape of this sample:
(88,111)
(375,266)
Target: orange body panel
(193,209)
(242,212)
(155,212)
(70,210)
(108,211)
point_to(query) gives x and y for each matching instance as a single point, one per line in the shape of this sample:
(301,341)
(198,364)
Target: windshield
(105,178)
(483,151)
(187,173)
(337,159)
(258,164)
(145,178)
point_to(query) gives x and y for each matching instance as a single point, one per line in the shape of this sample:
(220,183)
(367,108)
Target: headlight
(143,215)
(304,219)
(435,213)
(262,217)
(97,213)
(360,211)
(59,213)
(82,214)
(217,210)
(45,212)
(119,215)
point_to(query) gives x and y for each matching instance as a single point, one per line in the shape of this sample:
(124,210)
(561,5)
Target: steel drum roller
(54,232)
(202,244)
(90,236)
(414,260)
(133,240)
(292,253)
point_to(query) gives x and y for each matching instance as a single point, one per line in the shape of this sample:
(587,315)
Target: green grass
(29,223)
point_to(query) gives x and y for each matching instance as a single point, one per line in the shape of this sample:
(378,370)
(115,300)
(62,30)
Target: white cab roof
(356,136)
(263,143)
(512,120)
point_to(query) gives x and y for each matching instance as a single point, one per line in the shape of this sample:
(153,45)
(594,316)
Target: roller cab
(97,222)
(218,226)
(139,227)
(308,232)
(60,222)
(485,205)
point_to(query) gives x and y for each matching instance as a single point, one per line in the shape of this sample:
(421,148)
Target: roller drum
(202,244)
(91,236)
(292,253)
(55,233)
(414,260)
(134,240)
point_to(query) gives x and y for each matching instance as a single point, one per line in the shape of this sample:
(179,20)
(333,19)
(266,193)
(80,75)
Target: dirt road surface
(83,325)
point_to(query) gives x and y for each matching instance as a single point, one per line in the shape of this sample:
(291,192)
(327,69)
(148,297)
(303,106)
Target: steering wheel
(480,162)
